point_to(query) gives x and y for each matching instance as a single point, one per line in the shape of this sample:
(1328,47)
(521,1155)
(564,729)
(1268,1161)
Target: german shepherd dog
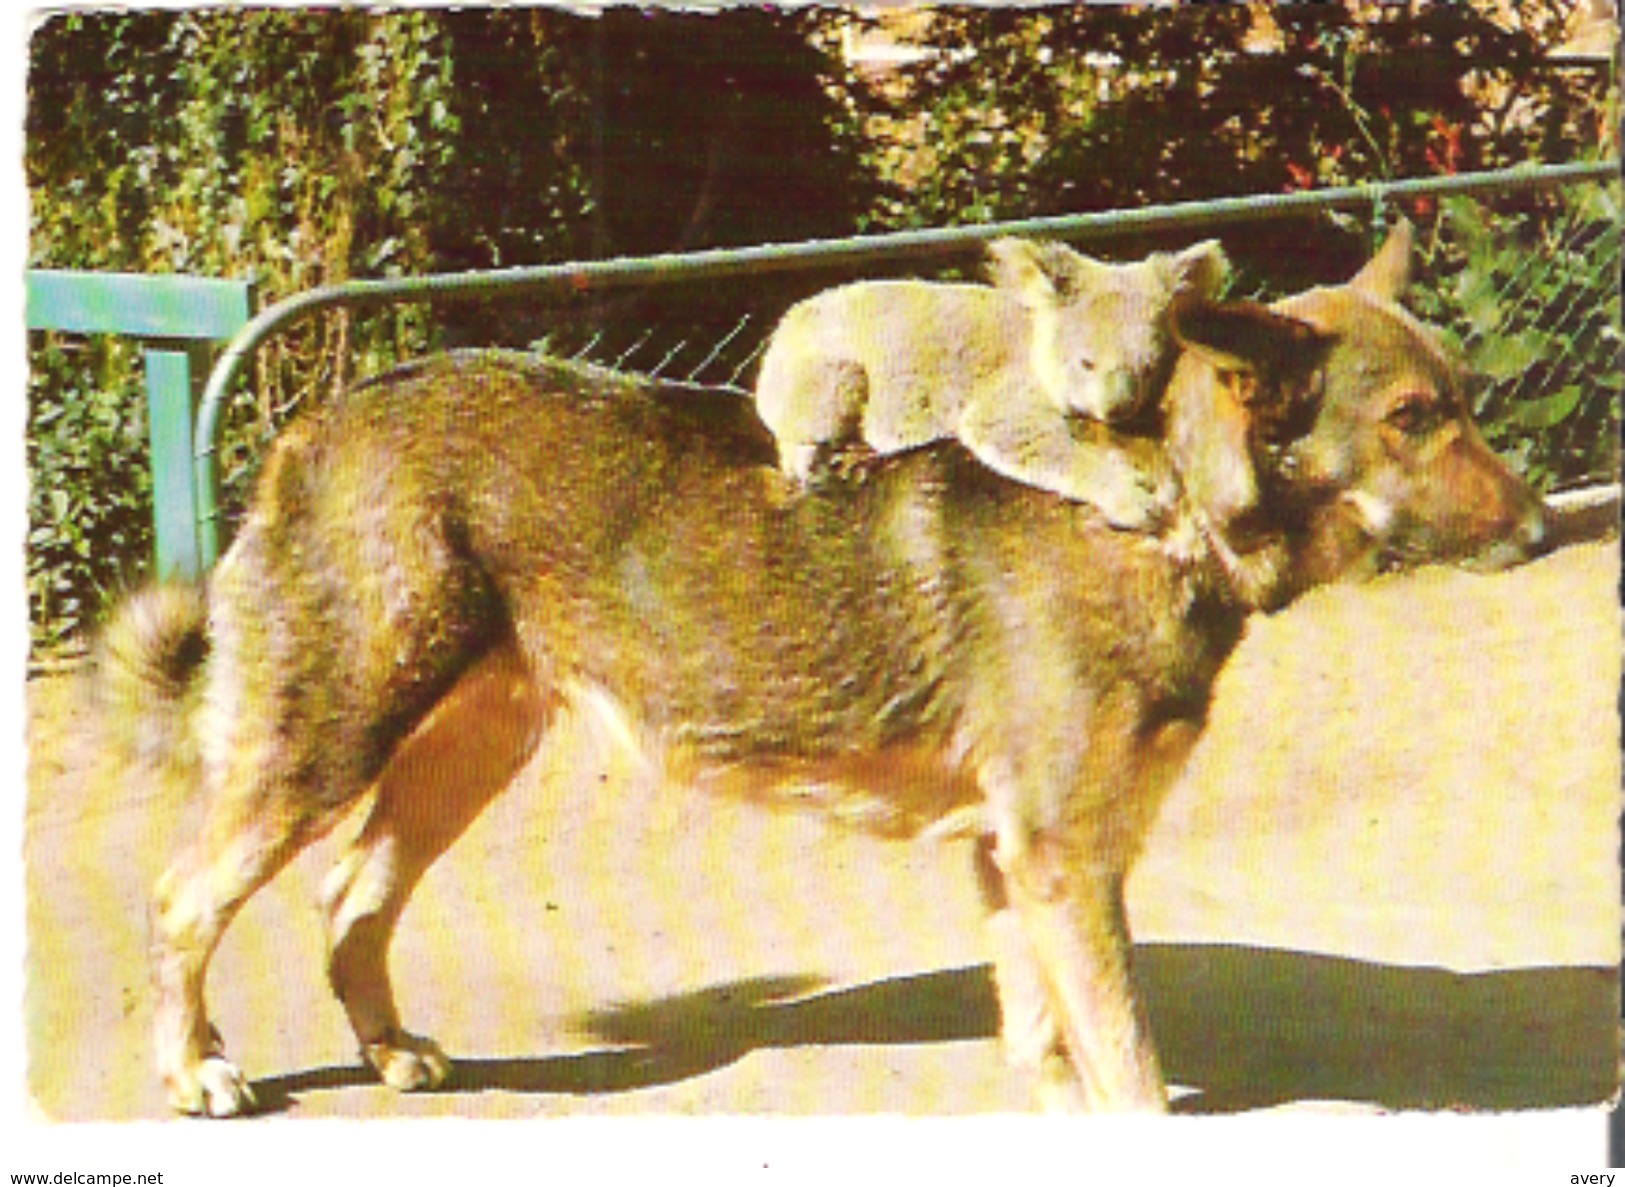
(438,567)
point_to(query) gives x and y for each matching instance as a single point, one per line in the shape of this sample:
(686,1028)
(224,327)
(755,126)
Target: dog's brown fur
(438,565)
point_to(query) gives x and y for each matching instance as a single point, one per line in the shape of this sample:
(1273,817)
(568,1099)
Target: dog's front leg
(1027,1027)
(1062,954)
(1071,923)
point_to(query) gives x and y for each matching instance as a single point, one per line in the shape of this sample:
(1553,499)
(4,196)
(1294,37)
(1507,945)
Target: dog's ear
(1239,333)
(1387,274)
(1265,358)
(1248,378)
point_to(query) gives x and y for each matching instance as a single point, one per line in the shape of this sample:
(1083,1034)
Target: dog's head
(1331,428)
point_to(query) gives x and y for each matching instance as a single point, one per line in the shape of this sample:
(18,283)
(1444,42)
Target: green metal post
(179,317)
(171,375)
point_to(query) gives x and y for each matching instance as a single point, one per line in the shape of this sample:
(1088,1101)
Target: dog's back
(636,538)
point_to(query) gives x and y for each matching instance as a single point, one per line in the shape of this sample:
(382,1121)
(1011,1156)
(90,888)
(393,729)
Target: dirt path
(1389,880)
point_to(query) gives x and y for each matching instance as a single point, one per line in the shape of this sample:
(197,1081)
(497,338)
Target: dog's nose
(1533,534)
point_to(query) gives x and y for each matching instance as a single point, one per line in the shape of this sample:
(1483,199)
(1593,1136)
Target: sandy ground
(1389,881)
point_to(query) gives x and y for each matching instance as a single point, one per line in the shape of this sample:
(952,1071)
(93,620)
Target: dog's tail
(144,681)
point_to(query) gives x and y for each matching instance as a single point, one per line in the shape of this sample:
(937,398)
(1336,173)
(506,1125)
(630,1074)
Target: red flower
(1445,157)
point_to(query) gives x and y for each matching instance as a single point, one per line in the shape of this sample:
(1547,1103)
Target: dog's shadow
(1244,1027)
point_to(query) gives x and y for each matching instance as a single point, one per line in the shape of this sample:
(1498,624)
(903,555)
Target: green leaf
(1547,411)
(1506,356)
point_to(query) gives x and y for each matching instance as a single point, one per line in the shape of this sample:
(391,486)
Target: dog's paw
(1058,1088)
(407,1063)
(213,1087)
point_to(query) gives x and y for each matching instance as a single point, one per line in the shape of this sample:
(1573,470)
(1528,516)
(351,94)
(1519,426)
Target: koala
(1035,373)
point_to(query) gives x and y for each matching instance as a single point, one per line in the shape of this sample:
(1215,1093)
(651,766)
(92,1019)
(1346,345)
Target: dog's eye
(1413,415)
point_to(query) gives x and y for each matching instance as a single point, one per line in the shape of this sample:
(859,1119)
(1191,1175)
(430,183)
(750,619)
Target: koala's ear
(1040,273)
(1387,274)
(1198,271)
(1013,265)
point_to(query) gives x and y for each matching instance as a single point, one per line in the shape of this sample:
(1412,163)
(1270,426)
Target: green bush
(1530,294)
(297,148)
(290,148)
(90,490)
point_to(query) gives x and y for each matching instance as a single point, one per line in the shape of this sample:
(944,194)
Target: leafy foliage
(1532,298)
(289,147)
(90,498)
(302,147)
(1024,111)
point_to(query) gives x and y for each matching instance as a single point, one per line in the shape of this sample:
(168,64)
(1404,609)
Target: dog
(1034,374)
(444,564)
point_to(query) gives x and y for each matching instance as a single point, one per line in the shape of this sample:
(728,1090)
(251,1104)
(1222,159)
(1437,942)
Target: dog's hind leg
(441,776)
(251,830)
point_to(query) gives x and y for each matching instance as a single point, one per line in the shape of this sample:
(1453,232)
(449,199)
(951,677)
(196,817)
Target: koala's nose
(1120,394)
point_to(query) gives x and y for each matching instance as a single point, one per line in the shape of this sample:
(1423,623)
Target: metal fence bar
(591,342)
(668,357)
(171,379)
(603,275)
(192,308)
(621,358)
(744,364)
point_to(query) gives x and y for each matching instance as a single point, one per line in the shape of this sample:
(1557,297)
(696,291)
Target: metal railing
(585,279)
(1541,317)
(179,320)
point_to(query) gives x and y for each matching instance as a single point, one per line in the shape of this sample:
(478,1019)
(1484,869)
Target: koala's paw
(1129,498)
